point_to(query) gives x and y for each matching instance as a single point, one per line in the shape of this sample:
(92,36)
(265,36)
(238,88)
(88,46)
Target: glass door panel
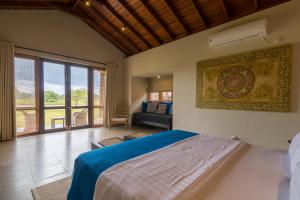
(54,96)
(26,95)
(98,96)
(79,96)
(54,85)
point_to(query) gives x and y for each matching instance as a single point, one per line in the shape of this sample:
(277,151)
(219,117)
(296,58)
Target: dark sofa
(153,119)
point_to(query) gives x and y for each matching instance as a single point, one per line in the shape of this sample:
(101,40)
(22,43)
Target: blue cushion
(144,106)
(171,109)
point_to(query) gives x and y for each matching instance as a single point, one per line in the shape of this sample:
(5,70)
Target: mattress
(246,173)
(255,175)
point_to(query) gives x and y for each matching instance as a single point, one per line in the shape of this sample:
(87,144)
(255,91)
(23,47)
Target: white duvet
(165,173)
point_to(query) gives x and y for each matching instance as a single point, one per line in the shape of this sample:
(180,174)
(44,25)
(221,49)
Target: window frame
(160,96)
(37,92)
(149,97)
(93,106)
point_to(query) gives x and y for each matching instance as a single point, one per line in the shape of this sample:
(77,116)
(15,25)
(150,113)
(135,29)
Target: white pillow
(295,184)
(295,144)
(295,160)
(294,153)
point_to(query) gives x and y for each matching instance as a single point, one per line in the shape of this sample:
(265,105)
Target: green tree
(51,96)
(79,95)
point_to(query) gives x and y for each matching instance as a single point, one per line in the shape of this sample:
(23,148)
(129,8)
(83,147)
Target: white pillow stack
(295,184)
(292,167)
(294,153)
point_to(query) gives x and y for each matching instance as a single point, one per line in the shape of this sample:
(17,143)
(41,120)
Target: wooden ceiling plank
(198,13)
(175,14)
(120,18)
(140,21)
(224,9)
(114,28)
(157,18)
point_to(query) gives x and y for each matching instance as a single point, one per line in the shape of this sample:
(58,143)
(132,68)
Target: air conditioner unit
(255,29)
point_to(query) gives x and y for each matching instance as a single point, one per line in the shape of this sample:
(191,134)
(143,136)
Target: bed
(180,165)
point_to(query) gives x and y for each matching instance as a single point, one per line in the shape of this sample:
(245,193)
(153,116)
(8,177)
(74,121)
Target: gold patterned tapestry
(258,80)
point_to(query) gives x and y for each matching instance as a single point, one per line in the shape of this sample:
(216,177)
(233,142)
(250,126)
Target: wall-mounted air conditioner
(255,29)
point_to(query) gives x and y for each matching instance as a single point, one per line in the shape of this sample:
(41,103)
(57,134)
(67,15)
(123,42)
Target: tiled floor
(36,160)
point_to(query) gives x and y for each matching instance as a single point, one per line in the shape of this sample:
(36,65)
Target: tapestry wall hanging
(258,80)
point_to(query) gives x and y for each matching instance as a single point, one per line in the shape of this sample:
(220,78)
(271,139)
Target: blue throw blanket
(88,166)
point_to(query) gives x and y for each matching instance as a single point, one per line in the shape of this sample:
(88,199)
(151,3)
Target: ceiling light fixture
(87,3)
(123,28)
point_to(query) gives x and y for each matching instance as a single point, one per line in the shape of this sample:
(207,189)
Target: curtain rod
(56,54)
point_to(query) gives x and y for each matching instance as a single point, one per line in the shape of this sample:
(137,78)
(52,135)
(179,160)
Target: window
(153,96)
(166,96)
(26,95)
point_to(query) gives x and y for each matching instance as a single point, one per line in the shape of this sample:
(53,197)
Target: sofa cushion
(162,108)
(152,107)
(169,107)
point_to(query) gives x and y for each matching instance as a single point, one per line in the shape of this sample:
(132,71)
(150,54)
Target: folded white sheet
(165,173)
(295,184)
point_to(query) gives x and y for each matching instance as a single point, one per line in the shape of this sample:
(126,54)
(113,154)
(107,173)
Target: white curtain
(111,93)
(7,92)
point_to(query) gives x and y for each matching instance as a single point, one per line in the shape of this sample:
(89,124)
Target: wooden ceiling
(138,25)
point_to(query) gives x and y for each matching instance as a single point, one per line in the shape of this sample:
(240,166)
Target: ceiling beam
(140,21)
(114,28)
(21,5)
(198,13)
(157,18)
(224,10)
(175,14)
(120,18)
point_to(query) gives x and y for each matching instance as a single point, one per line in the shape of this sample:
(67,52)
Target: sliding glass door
(57,96)
(54,96)
(79,96)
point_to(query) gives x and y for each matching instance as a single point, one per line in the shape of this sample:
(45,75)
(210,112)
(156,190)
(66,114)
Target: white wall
(180,58)
(139,93)
(58,32)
